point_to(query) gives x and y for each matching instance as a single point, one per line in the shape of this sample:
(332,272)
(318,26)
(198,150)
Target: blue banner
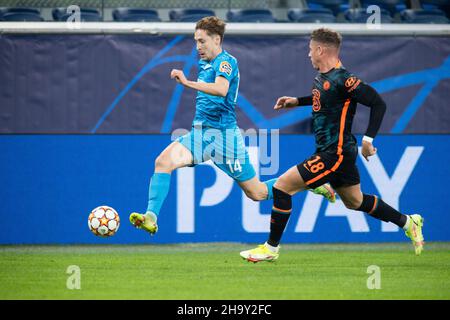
(50,184)
(121,83)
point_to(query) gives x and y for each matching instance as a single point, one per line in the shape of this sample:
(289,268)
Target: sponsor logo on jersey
(350,82)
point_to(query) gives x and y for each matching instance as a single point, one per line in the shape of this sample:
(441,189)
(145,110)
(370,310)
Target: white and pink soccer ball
(104,221)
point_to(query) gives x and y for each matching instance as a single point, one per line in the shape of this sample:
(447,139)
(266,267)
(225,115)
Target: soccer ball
(104,221)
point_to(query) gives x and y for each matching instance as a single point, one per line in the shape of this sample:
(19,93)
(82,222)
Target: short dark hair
(327,36)
(212,25)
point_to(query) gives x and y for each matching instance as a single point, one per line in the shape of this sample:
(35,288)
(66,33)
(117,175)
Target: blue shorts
(225,147)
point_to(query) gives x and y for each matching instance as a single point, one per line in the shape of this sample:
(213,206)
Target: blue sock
(158,190)
(269,184)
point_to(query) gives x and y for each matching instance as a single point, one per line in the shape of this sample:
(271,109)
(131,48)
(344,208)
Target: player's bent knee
(353,204)
(282,184)
(163,163)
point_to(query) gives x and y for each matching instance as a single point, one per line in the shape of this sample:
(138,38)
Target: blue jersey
(214,111)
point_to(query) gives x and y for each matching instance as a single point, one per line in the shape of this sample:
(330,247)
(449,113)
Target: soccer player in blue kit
(215,134)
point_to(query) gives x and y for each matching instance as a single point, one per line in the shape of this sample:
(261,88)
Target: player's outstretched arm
(291,102)
(218,88)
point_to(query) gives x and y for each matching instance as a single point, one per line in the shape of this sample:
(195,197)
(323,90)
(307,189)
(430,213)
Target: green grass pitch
(215,271)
